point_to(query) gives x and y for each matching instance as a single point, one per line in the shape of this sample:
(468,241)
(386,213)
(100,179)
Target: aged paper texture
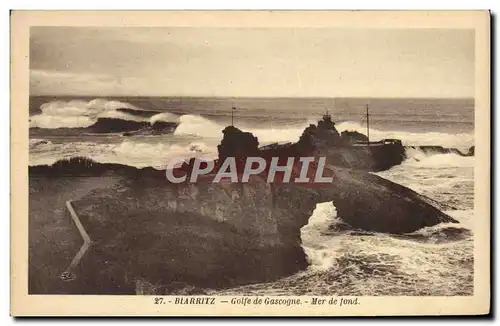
(261,163)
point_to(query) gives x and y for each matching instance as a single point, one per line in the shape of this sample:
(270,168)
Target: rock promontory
(214,235)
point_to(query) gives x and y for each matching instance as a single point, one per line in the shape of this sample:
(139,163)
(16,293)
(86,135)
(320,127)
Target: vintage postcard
(263,163)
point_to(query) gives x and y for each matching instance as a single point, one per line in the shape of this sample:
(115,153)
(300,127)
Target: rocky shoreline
(219,235)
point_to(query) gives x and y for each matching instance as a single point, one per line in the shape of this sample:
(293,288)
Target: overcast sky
(251,62)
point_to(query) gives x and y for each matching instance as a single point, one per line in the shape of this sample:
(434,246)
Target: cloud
(51,82)
(252,62)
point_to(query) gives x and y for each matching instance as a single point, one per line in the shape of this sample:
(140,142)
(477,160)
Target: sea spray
(82,114)
(128,152)
(314,239)
(462,141)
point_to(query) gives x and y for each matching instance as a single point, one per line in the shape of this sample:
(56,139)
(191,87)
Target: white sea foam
(81,114)
(128,152)
(315,243)
(55,121)
(159,151)
(203,127)
(462,140)
(419,158)
(433,260)
(165,117)
(464,216)
(196,125)
(113,114)
(35,142)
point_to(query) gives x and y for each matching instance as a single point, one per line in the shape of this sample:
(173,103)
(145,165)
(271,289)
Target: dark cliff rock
(342,150)
(84,167)
(128,127)
(350,149)
(369,202)
(105,125)
(164,126)
(237,143)
(324,135)
(353,137)
(207,235)
(375,157)
(221,235)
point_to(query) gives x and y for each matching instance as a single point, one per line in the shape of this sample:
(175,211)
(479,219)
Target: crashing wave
(202,127)
(137,154)
(195,125)
(35,142)
(462,140)
(420,158)
(100,116)
(164,117)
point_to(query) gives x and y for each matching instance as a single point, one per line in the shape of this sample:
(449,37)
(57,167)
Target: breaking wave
(35,142)
(314,238)
(164,117)
(436,260)
(447,178)
(101,114)
(116,115)
(196,125)
(202,127)
(419,158)
(132,153)
(462,140)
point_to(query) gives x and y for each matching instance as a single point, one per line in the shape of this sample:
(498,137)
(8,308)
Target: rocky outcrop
(324,135)
(238,144)
(372,203)
(378,156)
(107,125)
(214,235)
(207,235)
(163,126)
(79,166)
(350,149)
(353,137)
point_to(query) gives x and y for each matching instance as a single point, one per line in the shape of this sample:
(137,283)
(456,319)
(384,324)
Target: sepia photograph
(223,165)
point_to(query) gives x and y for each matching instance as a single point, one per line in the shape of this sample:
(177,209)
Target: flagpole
(368,124)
